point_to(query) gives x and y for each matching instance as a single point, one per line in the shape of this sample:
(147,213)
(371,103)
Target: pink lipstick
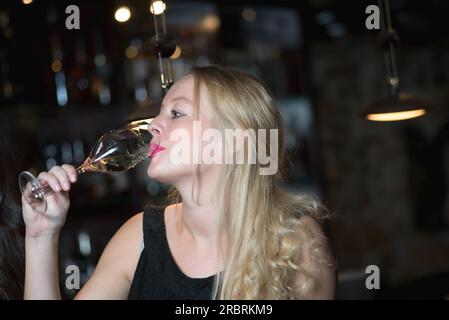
(154,149)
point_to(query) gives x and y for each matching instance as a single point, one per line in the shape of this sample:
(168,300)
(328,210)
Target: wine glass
(116,151)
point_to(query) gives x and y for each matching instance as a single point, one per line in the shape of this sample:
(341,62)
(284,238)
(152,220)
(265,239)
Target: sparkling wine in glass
(116,151)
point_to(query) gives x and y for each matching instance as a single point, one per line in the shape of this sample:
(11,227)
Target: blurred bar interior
(387,182)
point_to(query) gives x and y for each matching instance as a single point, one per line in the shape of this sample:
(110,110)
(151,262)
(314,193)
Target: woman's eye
(176,114)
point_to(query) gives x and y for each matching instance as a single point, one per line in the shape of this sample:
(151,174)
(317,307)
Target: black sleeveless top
(157,274)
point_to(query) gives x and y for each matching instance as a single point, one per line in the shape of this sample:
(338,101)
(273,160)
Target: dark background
(385,182)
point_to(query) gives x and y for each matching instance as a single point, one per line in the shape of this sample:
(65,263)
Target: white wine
(119,163)
(116,151)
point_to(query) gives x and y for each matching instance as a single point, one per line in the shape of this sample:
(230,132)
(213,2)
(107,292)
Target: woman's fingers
(62,176)
(51,180)
(59,178)
(71,172)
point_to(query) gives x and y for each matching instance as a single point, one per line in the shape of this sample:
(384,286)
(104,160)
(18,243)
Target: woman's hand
(38,225)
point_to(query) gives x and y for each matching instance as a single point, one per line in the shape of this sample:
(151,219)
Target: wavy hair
(263,218)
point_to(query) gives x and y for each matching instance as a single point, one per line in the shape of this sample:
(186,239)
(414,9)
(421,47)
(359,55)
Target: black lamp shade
(148,110)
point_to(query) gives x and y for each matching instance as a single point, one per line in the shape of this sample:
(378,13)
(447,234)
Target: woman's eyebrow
(179,99)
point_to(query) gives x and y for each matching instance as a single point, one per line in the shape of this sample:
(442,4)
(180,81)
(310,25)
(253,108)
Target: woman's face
(176,119)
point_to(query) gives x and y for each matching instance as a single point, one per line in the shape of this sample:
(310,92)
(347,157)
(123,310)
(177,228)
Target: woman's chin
(153,172)
(161,173)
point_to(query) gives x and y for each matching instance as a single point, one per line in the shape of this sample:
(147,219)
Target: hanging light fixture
(163,47)
(122,14)
(163,44)
(397,106)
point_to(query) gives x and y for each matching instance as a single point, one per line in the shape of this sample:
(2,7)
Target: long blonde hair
(262,217)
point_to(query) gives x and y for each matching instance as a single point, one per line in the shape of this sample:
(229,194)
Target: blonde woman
(231,233)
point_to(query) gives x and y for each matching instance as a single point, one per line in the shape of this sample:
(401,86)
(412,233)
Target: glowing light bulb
(122,14)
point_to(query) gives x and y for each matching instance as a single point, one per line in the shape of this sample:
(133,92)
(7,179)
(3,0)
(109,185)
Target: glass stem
(84,167)
(81,169)
(45,187)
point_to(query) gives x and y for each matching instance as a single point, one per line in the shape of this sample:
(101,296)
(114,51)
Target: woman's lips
(154,149)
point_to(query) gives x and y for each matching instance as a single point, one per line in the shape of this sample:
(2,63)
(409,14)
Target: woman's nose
(154,128)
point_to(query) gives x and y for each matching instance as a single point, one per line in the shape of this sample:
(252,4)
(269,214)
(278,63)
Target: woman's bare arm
(41,268)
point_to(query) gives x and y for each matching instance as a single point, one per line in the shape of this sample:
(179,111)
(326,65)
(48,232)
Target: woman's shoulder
(152,215)
(113,274)
(313,238)
(129,235)
(146,218)
(152,218)
(153,208)
(310,229)
(119,259)
(140,221)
